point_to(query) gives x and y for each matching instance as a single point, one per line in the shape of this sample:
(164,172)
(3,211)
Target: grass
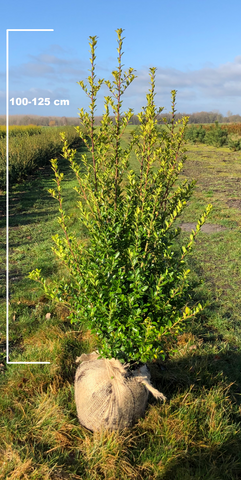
(196,434)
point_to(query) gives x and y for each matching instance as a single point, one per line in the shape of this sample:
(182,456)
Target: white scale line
(7,184)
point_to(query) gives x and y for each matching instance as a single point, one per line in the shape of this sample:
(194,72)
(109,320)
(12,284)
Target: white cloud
(210,87)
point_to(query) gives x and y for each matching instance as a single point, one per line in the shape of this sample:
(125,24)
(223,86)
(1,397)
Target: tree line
(197,117)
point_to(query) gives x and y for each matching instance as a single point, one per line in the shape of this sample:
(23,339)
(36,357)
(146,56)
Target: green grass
(196,434)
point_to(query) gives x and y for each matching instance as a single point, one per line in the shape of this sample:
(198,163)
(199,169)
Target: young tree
(128,284)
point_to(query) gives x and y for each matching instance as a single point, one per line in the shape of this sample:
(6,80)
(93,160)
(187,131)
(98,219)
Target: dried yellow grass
(13,467)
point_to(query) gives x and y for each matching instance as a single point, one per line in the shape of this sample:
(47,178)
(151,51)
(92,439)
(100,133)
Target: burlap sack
(108,396)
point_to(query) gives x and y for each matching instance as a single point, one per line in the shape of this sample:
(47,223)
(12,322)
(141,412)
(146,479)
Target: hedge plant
(127,283)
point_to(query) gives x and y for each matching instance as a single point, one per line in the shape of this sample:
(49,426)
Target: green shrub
(195,134)
(213,135)
(126,282)
(234,145)
(216,136)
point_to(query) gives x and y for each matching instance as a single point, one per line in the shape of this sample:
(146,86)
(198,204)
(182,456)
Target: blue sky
(195,46)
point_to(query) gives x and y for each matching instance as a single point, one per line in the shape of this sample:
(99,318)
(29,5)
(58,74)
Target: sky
(195,46)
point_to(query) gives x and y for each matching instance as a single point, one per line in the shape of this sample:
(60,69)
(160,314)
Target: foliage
(128,285)
(234,145)
(195,134)
(216,136)
(233,128)
(28,152)
(19,131)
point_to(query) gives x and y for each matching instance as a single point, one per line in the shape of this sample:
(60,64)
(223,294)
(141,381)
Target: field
(196,434)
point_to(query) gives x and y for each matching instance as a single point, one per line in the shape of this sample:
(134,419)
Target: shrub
(234,145)
(233,128)
(216,136)
(28,152)
(127,283)
(20,131)
(195,134)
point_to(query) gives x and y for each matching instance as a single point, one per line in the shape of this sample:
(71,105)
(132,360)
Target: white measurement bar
(7,181)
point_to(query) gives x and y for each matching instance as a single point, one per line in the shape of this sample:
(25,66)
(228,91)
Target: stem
(93,106)
(118,126)
(173,110)
(63,223)
(165,195)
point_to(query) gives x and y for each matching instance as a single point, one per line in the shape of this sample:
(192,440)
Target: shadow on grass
(220,462)
(199,430)
(71,349)
(31,194)
(208,359)
(199,370)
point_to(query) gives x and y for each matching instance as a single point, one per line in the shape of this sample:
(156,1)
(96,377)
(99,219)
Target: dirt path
(206,228)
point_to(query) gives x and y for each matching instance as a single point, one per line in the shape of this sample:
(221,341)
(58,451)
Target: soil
(234,203)
(206,228)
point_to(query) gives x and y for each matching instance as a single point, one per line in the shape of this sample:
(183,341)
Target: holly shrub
(127,283)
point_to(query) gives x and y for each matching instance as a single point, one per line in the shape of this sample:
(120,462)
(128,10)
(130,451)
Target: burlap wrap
(107,396)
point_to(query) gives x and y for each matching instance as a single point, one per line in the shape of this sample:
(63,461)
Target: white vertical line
(7,195)
(7,181)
